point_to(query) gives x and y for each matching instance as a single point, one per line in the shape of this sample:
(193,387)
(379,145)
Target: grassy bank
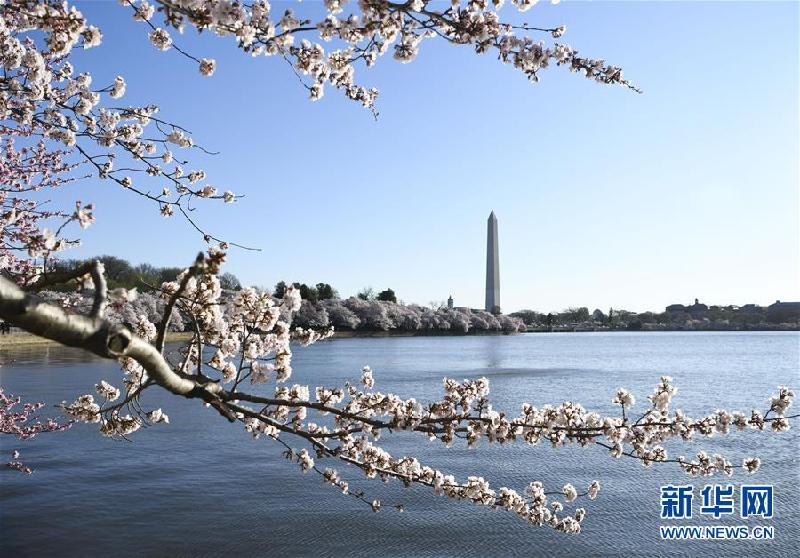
(22,339)
(18,339)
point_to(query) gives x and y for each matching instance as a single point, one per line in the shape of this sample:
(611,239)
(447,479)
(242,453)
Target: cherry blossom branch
(366,35)
(24,424)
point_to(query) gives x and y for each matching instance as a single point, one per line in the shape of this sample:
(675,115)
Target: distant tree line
(321,291)
(145,304)
(380,311)
(321,305)
(356,313)
(369,310)
(676,316)
(121,273)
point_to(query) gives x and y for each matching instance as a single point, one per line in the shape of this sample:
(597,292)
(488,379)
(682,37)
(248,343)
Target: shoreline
(23,339)
(656,330)
(349,334)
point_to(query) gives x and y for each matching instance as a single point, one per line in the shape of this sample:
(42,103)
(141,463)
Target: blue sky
(604,197)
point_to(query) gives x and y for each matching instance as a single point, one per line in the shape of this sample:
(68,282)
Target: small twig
(162,328)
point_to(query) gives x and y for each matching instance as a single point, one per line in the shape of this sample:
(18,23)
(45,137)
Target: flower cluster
(112,423)
(109,392)
(23,423)
(83,409)
(366,377)
(115,425)
(31,232)
(624,398)
(251,333)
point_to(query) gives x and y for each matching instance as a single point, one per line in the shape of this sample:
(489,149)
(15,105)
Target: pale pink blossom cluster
(250,333)
(83,409)
(30,230)
(21,421)
(112,422)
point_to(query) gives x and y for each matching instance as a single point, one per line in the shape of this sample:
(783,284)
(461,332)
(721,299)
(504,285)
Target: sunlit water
(203,487)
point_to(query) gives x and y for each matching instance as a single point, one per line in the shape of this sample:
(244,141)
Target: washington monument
(492,266)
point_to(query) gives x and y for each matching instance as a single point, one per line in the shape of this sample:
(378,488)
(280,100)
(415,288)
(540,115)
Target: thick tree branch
(95,335)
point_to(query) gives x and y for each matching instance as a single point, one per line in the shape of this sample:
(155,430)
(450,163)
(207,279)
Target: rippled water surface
(203,487)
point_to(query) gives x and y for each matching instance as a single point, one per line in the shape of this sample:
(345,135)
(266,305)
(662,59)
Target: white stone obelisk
(492,267)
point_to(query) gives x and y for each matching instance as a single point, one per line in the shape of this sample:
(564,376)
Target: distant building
(781,312)
(450,302)
(696,308)
(676,308)
(785,305)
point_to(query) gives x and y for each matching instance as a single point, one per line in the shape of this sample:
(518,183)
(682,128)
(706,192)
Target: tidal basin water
(203,487)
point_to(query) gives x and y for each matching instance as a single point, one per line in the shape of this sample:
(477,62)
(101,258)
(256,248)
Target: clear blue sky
(604,197)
